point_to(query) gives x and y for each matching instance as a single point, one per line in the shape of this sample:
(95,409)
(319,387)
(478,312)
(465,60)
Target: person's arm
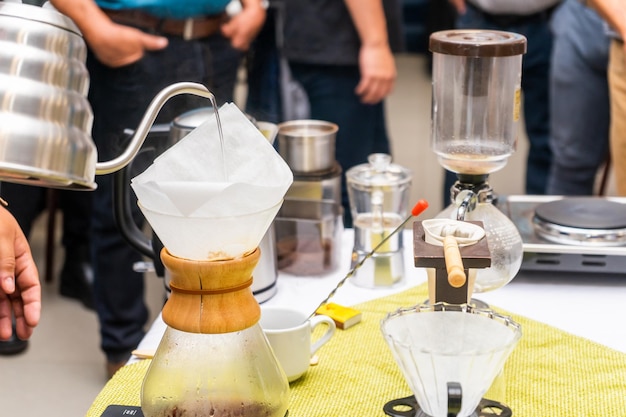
(614,12)
(242,28)
(459,5)
(376,61)
(113,44)
(20,290)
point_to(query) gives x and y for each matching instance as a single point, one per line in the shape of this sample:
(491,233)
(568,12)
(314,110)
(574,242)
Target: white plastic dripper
(436,345)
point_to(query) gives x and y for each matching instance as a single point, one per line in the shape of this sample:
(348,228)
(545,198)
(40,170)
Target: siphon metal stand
(432,256)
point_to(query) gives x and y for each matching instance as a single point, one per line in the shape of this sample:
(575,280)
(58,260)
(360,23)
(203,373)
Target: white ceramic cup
(289,333)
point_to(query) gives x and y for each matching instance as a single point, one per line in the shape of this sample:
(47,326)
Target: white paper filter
(205,203)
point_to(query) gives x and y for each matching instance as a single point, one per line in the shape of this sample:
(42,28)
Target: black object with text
(122,411)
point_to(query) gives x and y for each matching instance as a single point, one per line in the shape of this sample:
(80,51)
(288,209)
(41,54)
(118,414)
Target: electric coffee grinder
(475,123)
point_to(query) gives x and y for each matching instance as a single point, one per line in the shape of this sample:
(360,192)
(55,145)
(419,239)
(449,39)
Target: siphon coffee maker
(450,352)
(379,201)
(475,123)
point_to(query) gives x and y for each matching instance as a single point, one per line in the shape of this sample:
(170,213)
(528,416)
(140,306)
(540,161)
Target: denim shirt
(177,9)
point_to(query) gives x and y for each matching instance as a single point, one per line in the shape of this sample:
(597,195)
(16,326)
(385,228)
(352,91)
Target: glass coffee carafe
(379,197)
(214,358)
(211,203)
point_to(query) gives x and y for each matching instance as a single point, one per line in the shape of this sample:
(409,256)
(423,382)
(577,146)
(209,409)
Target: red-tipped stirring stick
(418,209)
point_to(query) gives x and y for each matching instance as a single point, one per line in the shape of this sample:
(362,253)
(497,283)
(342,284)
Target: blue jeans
(535,87)
(263,74)
(119,98)
(28,202)
(362,128)
(580,114)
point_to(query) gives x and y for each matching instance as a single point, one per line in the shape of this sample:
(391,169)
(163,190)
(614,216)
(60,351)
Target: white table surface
(588,306)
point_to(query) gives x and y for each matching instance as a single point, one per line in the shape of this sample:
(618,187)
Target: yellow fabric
(551,373)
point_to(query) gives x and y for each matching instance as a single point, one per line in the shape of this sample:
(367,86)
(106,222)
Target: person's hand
(113,44)
(242,28)
(378,73)
(117,45)
(20,290)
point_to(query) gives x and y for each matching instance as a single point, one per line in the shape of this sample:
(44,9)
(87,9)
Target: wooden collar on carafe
(211,296)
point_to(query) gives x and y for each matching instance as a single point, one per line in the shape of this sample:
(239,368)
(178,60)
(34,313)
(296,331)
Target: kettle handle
(123,215)
(158,140)
(142,131)
(128,227)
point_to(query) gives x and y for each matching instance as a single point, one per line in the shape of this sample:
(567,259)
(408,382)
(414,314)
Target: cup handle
(330,330)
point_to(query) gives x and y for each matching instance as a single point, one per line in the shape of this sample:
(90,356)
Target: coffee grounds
(225,409)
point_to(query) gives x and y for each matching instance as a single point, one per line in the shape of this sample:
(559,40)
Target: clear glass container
(217,375)
(214,359)
(308,237)
(503,238)
(476,98)
(379,201)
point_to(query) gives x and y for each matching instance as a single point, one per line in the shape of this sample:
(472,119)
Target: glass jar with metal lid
(379,195)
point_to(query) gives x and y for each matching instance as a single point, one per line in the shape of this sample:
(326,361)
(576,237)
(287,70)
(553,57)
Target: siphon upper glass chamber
(476,84)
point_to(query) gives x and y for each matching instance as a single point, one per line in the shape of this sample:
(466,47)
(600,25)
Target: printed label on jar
(517,104)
